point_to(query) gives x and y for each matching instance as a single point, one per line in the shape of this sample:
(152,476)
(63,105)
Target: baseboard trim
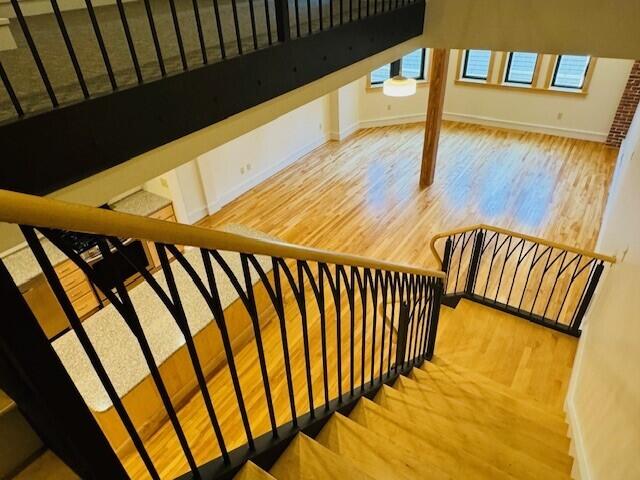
(491,122)
(341,135)
(580,470)
(265,174)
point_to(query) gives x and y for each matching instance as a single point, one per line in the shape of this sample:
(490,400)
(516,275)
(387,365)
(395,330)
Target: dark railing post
(434,315)
(447,255)
(45,394)
(403,329)
(586,300)
(475,263)
(282,20)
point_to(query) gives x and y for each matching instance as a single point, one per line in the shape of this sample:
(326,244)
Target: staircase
(440,421)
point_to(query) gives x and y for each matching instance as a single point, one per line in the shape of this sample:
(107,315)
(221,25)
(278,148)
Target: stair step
(465,386)
(250,471)
(6,404)
(499,447)
(440,363)
(424,444)
(481,413)
(46,467)
(307,459)
(19,444)
(372,453)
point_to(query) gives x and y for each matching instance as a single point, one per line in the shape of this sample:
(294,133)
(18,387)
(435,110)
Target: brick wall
(626,108)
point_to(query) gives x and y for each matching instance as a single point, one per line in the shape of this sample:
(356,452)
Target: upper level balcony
(88,84)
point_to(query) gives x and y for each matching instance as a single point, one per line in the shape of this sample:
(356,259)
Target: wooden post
(437,87)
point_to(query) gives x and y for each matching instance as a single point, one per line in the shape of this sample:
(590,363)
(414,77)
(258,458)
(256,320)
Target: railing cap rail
(20,208)
(542,241)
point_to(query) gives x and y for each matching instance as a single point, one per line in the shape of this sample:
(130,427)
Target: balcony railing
(66,56)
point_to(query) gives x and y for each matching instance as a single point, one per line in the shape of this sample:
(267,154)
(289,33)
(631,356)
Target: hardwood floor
(361,196)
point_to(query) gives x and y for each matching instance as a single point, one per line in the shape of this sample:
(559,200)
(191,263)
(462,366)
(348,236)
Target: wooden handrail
(541,241)
(20,208)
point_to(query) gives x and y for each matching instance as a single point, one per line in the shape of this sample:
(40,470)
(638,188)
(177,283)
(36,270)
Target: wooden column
(437,87)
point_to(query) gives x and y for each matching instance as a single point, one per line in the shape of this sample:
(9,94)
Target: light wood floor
(361,196)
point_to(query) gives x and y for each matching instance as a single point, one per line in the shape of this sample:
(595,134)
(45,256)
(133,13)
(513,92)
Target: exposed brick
(626,108)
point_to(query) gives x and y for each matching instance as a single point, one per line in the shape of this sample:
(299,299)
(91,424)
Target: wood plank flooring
(361,196)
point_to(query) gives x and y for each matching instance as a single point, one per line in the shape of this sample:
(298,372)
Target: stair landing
(529,359)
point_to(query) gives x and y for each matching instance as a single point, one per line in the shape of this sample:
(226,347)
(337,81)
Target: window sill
(522,87)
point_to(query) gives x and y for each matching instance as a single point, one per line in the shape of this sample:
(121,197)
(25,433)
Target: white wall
(582,116)
(215,178)
(603,404)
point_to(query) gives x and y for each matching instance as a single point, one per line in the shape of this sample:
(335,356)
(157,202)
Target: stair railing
(545,282)
(308,290)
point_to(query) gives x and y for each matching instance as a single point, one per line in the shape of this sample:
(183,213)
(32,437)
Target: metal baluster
(495,236)
(351,290)
(351,10)
(298,291)
(69,46)
(127,34)
(87,346)
(521,257)
(330,13)
(278,303)
(154,36)
(203,47)
(34,52)
(544,272)
(384,282)
(337,301)
(101,45)
(318,291)
(320,13)
(429,286)
(341,12)
(176,28)
(234,8)
(268,19)
(555,282)
(362,286)
(578,257)
(297,11)
(183,324)
(531,267)
(504,264)
(309,17)
(252,16)
(216,11)
(215,305)
(435,316)
(10,91)
(373,284)
(126,308)
(394,285)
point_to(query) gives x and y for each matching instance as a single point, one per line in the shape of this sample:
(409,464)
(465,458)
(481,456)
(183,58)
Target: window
(521,67)
(476,64)
(412,65)
(570,71)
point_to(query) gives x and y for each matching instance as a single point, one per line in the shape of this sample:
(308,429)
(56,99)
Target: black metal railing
(543,282)
(66,56)
(368,324)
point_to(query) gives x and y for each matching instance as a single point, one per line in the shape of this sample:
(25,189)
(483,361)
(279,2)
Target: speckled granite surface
(22,264)
(141,203)
(117,346)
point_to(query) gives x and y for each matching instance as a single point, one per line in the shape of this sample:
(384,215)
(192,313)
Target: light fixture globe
(399,86)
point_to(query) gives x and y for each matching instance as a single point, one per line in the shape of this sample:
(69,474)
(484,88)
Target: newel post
(434,316)
(474,265)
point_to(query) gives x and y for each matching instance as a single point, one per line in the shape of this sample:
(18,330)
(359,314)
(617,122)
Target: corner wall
(603,403)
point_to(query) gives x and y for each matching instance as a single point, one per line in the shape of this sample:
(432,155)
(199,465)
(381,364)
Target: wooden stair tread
(46,467)
(480,412)
(306,459)
(372,453)
(6,403)
(423,443)
(250,471)
(520,457)
(487,389)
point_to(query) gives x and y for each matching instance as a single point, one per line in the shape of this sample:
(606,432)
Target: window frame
(585,78)
(396,68)
(463,67)
(534,75)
